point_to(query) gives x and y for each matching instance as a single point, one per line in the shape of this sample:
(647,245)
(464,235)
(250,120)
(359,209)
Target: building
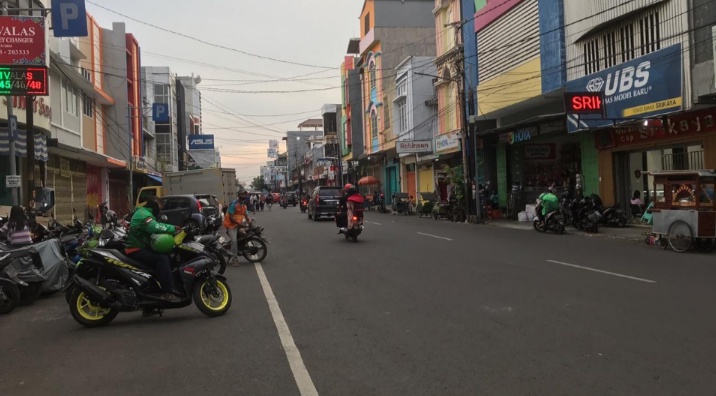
(298,144)
(389,29)
(351,136)
(522,73)
(333,164)
(415,120)
(159,87)
(189,116)
(640,55)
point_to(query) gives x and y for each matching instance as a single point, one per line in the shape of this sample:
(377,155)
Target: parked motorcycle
(585,216)
(10,284)
(25,267)
(612,216)
(108,283)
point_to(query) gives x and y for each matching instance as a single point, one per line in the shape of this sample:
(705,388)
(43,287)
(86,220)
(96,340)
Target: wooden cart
(684,212)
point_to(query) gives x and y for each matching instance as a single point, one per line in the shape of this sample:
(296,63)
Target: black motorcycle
(585,216)
(253,246)
(10,283)
(108,283)
(612,216)
(25,266)
(553,221)
(353,232)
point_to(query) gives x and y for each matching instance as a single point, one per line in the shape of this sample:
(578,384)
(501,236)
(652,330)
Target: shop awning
(530,121)
(90,157)
(157,179)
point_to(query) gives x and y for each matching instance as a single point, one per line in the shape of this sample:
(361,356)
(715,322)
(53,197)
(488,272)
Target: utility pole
(13,165)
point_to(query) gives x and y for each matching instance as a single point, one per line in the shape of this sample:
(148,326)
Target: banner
(414,146)
(201,142)
(640,88)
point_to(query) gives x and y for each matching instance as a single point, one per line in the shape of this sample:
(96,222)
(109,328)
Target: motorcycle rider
(342,214)
(234,224)
(142,226)
(354,203)
(549,203)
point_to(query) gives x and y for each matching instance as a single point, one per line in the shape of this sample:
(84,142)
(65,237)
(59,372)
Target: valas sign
(201,142)
(22,41)
(414,146)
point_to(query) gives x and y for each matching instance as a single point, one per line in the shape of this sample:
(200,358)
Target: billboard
(414,146)
(201,142)
(22,41)
(642,87)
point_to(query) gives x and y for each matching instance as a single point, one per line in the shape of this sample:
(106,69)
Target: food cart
(684,211)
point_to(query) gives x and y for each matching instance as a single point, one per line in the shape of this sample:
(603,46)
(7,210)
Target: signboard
(518,136)
(640,88)
(13,181)
(546,151)
(584,102)
(679,125)
(69,18)
(160,113)
(272,153)
(201,142)
(447,142)
(19,80)
(414,146)
(13,127)
(22,41)
(273,144)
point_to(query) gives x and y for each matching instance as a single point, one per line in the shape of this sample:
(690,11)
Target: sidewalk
(632,232)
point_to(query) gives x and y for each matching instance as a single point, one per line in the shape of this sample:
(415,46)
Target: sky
(307,38)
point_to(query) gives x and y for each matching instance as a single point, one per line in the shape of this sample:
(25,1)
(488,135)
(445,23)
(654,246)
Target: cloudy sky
(307,40)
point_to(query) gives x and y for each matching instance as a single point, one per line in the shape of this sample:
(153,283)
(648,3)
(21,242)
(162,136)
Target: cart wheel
(680,236)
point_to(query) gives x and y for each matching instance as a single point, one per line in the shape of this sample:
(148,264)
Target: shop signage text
(23,81)
(201,142)
(22,41)
(545,151)
(694,122)
(414,146)
(584,102)
(643,87)
(13,181)
(446,143)
(518,136)
(38,106)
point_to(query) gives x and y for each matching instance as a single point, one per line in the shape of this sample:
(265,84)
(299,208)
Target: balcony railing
(683,161)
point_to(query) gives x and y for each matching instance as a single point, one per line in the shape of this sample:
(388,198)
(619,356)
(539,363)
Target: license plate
(332,202)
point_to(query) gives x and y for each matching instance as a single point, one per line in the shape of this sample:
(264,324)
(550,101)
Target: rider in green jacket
(141,228)
(550,203)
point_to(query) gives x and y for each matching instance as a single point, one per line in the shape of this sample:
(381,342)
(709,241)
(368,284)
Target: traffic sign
(13,181)
(69,18)
(13,127)
(160,112)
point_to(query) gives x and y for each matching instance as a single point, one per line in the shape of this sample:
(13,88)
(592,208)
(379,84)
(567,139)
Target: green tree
(455,176)
(259,184)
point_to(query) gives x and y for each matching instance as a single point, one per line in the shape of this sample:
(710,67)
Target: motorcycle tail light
(198,205)
(355,218)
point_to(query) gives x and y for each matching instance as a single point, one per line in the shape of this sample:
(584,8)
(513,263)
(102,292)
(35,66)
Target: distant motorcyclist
(142,227)
(549,203)
(354,203)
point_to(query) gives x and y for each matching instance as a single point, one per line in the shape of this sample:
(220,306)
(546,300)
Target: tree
(259,184)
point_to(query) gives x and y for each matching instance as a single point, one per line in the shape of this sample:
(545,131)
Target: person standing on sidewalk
(234,224)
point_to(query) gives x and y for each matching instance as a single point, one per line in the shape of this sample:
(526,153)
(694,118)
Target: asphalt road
(416,307)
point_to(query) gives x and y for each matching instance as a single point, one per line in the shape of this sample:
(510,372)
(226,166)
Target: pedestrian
(253,203)
(17,229)
(269,201)
(262,202)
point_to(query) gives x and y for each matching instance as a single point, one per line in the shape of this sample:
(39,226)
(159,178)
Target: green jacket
(142,226)
(550,203)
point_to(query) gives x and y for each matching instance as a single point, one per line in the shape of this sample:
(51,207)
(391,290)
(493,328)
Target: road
(416,307)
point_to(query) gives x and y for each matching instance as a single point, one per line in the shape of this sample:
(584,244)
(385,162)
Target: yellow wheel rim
(215,303)
(88,310)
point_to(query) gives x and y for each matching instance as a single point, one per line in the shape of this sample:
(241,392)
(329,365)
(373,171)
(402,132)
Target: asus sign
(201,142)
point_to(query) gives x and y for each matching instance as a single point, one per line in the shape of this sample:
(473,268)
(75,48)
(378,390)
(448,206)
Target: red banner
(690,123)
(22,41)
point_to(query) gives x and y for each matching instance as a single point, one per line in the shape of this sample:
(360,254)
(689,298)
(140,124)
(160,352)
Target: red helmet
(348,187)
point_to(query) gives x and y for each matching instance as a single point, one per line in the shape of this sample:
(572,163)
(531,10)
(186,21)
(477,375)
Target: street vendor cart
(684,211)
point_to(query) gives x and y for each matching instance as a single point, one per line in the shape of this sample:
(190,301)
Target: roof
(311,123)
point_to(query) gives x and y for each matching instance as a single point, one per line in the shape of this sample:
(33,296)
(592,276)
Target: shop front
(632,136)
(682,141)
(448,154)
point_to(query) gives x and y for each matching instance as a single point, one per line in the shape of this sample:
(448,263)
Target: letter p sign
(69,18)
(160,113)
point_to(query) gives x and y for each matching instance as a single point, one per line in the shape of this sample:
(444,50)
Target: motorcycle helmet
(162,243)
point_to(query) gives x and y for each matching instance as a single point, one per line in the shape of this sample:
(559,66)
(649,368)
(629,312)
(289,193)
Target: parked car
(324,202)
(292,199)
(197,210)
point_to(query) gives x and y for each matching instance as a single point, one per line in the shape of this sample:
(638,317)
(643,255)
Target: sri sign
(643,87)
(22,41)
(414,146)
(447,142)
(201,142)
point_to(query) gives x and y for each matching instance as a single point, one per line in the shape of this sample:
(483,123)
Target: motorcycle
(585,216)
(108,283)
(304,205)
(553,221)
(353,232)
(24,267)
(284,203)
(613,215)
(253,246)
(10,284)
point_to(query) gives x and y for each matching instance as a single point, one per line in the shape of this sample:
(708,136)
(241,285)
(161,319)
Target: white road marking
(370,222)
(603,272)
(298,368)
(435,236)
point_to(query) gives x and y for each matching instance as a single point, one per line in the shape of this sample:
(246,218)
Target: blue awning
(155,178)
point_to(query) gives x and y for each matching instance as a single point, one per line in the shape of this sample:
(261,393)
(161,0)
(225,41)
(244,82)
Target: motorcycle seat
(130,261)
